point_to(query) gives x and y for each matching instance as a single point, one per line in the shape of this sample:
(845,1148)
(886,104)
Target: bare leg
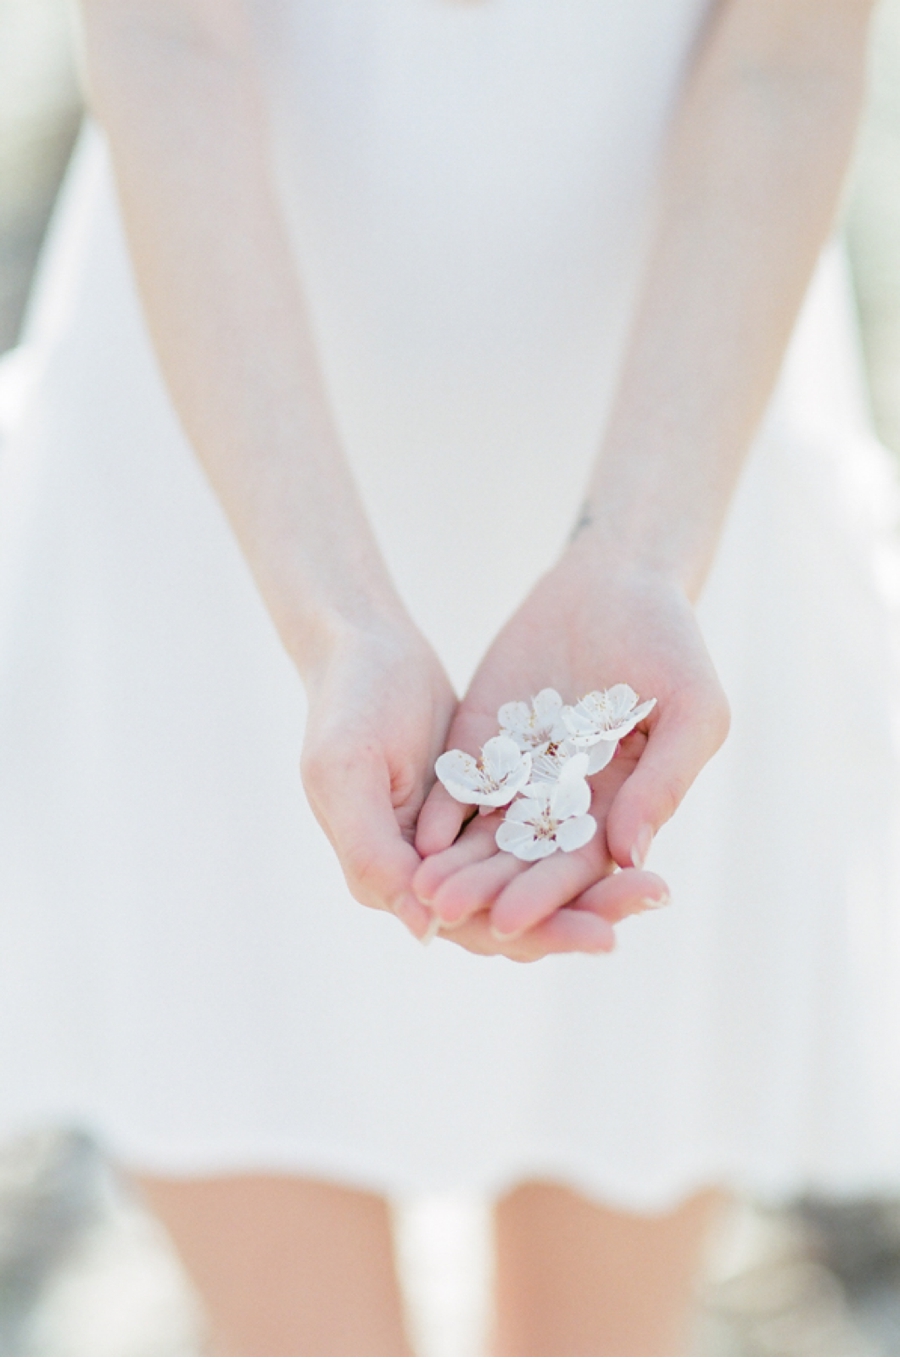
(286,1266)
(576,1279)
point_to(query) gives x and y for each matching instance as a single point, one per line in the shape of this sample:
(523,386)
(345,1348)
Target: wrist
(613,548)
(315,634)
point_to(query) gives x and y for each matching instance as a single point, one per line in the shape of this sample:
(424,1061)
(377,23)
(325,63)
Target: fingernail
(601,947)
(417,919)
(431,932)
(502,938)
(641,848)
(651,903)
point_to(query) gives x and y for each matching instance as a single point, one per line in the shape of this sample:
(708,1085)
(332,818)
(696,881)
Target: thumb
(352,802)
(442,817)
(681,741)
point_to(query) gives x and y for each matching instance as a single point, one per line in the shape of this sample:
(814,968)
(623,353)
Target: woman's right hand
(380,706)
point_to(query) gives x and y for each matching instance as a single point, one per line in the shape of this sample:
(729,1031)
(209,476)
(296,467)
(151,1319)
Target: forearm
(174,84)
(749,189)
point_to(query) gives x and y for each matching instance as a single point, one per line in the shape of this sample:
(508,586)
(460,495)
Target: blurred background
(84,1269)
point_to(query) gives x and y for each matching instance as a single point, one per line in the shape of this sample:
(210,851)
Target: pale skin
(750,183)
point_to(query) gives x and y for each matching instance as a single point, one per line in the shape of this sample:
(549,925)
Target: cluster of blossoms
(539,765)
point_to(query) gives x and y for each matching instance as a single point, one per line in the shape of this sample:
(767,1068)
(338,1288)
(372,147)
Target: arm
(756,164)
(174,84)
(750,184)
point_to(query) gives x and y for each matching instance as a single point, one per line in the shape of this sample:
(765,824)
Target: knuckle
(366,875)
(716,712)
(721,720)
(406,783)
(361,891)
(671,791)
(357,864)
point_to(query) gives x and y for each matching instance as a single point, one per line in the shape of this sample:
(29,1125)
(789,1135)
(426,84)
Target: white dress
(181,967)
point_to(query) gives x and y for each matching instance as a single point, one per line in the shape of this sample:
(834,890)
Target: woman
(407,266)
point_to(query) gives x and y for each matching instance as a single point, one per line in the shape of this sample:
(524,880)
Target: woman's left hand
(588,624)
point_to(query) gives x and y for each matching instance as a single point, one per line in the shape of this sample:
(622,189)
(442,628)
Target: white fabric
(181,967)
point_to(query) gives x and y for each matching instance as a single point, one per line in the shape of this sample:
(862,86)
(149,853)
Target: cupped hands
(381,710)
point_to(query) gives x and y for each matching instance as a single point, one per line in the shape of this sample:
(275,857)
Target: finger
(440,822)
(567,932)
(352,800)
(417,919)
(627,893)
(682,740)
(476,843)
(475,888)
(548,885)
(442,816)
(552,883)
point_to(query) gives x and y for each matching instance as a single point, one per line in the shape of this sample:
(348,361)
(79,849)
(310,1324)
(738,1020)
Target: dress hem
(356,1169)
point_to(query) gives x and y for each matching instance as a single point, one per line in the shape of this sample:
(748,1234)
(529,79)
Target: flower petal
(571,797)
(578,723)
(521,841)
(642,710)
(576,766)
(501,757)
(600,754)
(620,700)
(547,764)
(513,718)
(535,724)
(544,770)
(511,834)
(605,715)
(629,722)
(575,832)
(547,707)
(498,798)
(532,807)
(539,849)
(586,724)
(460,776)
(547,703)
(505,766)
(467,783)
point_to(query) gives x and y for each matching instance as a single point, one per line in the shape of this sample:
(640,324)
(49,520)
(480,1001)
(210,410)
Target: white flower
(536,724)
(548,763)
(599,755)
(550,817)
(539,727)
(605,716)
(492,780)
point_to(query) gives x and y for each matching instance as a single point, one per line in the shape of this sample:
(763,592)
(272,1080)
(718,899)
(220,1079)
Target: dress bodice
(469,181)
